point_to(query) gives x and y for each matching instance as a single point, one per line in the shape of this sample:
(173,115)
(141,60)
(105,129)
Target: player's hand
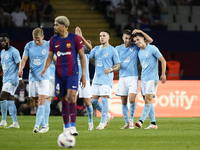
(21,84)
(43,72)
(136,31)
(83,82)
(107,71)
(78,31)
(20,73)
(163,78)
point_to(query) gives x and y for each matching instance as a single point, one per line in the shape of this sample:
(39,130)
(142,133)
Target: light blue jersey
(9,61)
(37,57)
(52,68)
(129,59)
(104,58)
(149,62)
(87,54)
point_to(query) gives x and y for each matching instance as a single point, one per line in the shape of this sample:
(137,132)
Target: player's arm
(47,63)
(87,43)
(22,65)
(54,60)
(116,67)
(1,67)
(21,82)
(83,66)
(163,66)
(148,39)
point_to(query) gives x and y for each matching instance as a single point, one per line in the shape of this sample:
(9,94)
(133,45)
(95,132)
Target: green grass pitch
(172,133)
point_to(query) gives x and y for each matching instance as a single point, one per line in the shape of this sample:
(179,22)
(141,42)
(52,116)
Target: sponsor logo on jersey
(63,53)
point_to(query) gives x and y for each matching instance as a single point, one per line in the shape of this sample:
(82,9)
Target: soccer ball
(67,140)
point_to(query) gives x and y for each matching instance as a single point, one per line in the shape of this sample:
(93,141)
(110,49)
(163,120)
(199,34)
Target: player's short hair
(62,20)
(127,32)
(4,35)
(37,32)
(138,34)
(106,32)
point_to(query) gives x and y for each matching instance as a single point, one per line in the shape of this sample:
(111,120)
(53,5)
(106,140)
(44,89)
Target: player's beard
(55,32)
(6,47)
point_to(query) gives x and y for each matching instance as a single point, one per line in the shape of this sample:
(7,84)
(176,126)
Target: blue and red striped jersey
(66,50)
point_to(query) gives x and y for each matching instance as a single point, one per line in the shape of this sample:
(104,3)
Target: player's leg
(125,112)
(132,83)
(122,91)
(8,93)
(43,92)
(85,93)
(95,97)
(153,124)
(4,113)
(147,89)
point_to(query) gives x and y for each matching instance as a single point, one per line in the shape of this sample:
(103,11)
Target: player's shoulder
(14,49)
(29,44)
(119,46)
(152,47)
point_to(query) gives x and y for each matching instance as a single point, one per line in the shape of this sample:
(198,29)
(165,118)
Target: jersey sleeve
(79,43)
(156,52)
(51,45)
(26,49)
(92,53)
(16,56)
(116,59)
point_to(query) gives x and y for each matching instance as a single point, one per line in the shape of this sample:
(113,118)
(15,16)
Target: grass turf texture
(172,133)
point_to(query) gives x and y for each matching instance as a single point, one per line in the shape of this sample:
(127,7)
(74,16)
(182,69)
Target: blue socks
(132,110)
(125,113)
(97,104)
(40,115)
(12,110)
(152,114)
(89,110)
(4,109)
(104,109)
(145,113)
(45,120)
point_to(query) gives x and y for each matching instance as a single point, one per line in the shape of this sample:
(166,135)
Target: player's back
(9,61)
(37,57)
(129,59)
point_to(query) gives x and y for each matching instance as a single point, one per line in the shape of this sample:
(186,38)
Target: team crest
(106,54)
(7,56)
(147,54)
(58,92)
(43,51)
(131,49)
(69,45)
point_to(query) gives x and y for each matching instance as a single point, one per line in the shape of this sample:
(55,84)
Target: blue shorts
(63,84)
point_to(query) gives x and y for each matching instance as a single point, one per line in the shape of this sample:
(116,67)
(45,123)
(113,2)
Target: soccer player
(128,75)
(106,61)
(85,92)
(10,59)
(149,56)
(45,120)
(37,52)
(66,45)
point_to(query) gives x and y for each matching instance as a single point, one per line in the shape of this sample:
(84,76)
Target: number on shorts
(58,87)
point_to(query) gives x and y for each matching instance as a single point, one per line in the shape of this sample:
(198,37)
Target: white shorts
(86,91)
(101,90)
(37,88)
(9,87)
(127,85)
(149,87)
(52,86)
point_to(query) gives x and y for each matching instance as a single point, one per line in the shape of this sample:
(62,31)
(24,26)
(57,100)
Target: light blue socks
(40,115)
(104,109)
(12,110)
(45,120)
(125,113)
(97,104)
(145,113)
(89,110)
(152,114)
(4,109)
(132,110)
